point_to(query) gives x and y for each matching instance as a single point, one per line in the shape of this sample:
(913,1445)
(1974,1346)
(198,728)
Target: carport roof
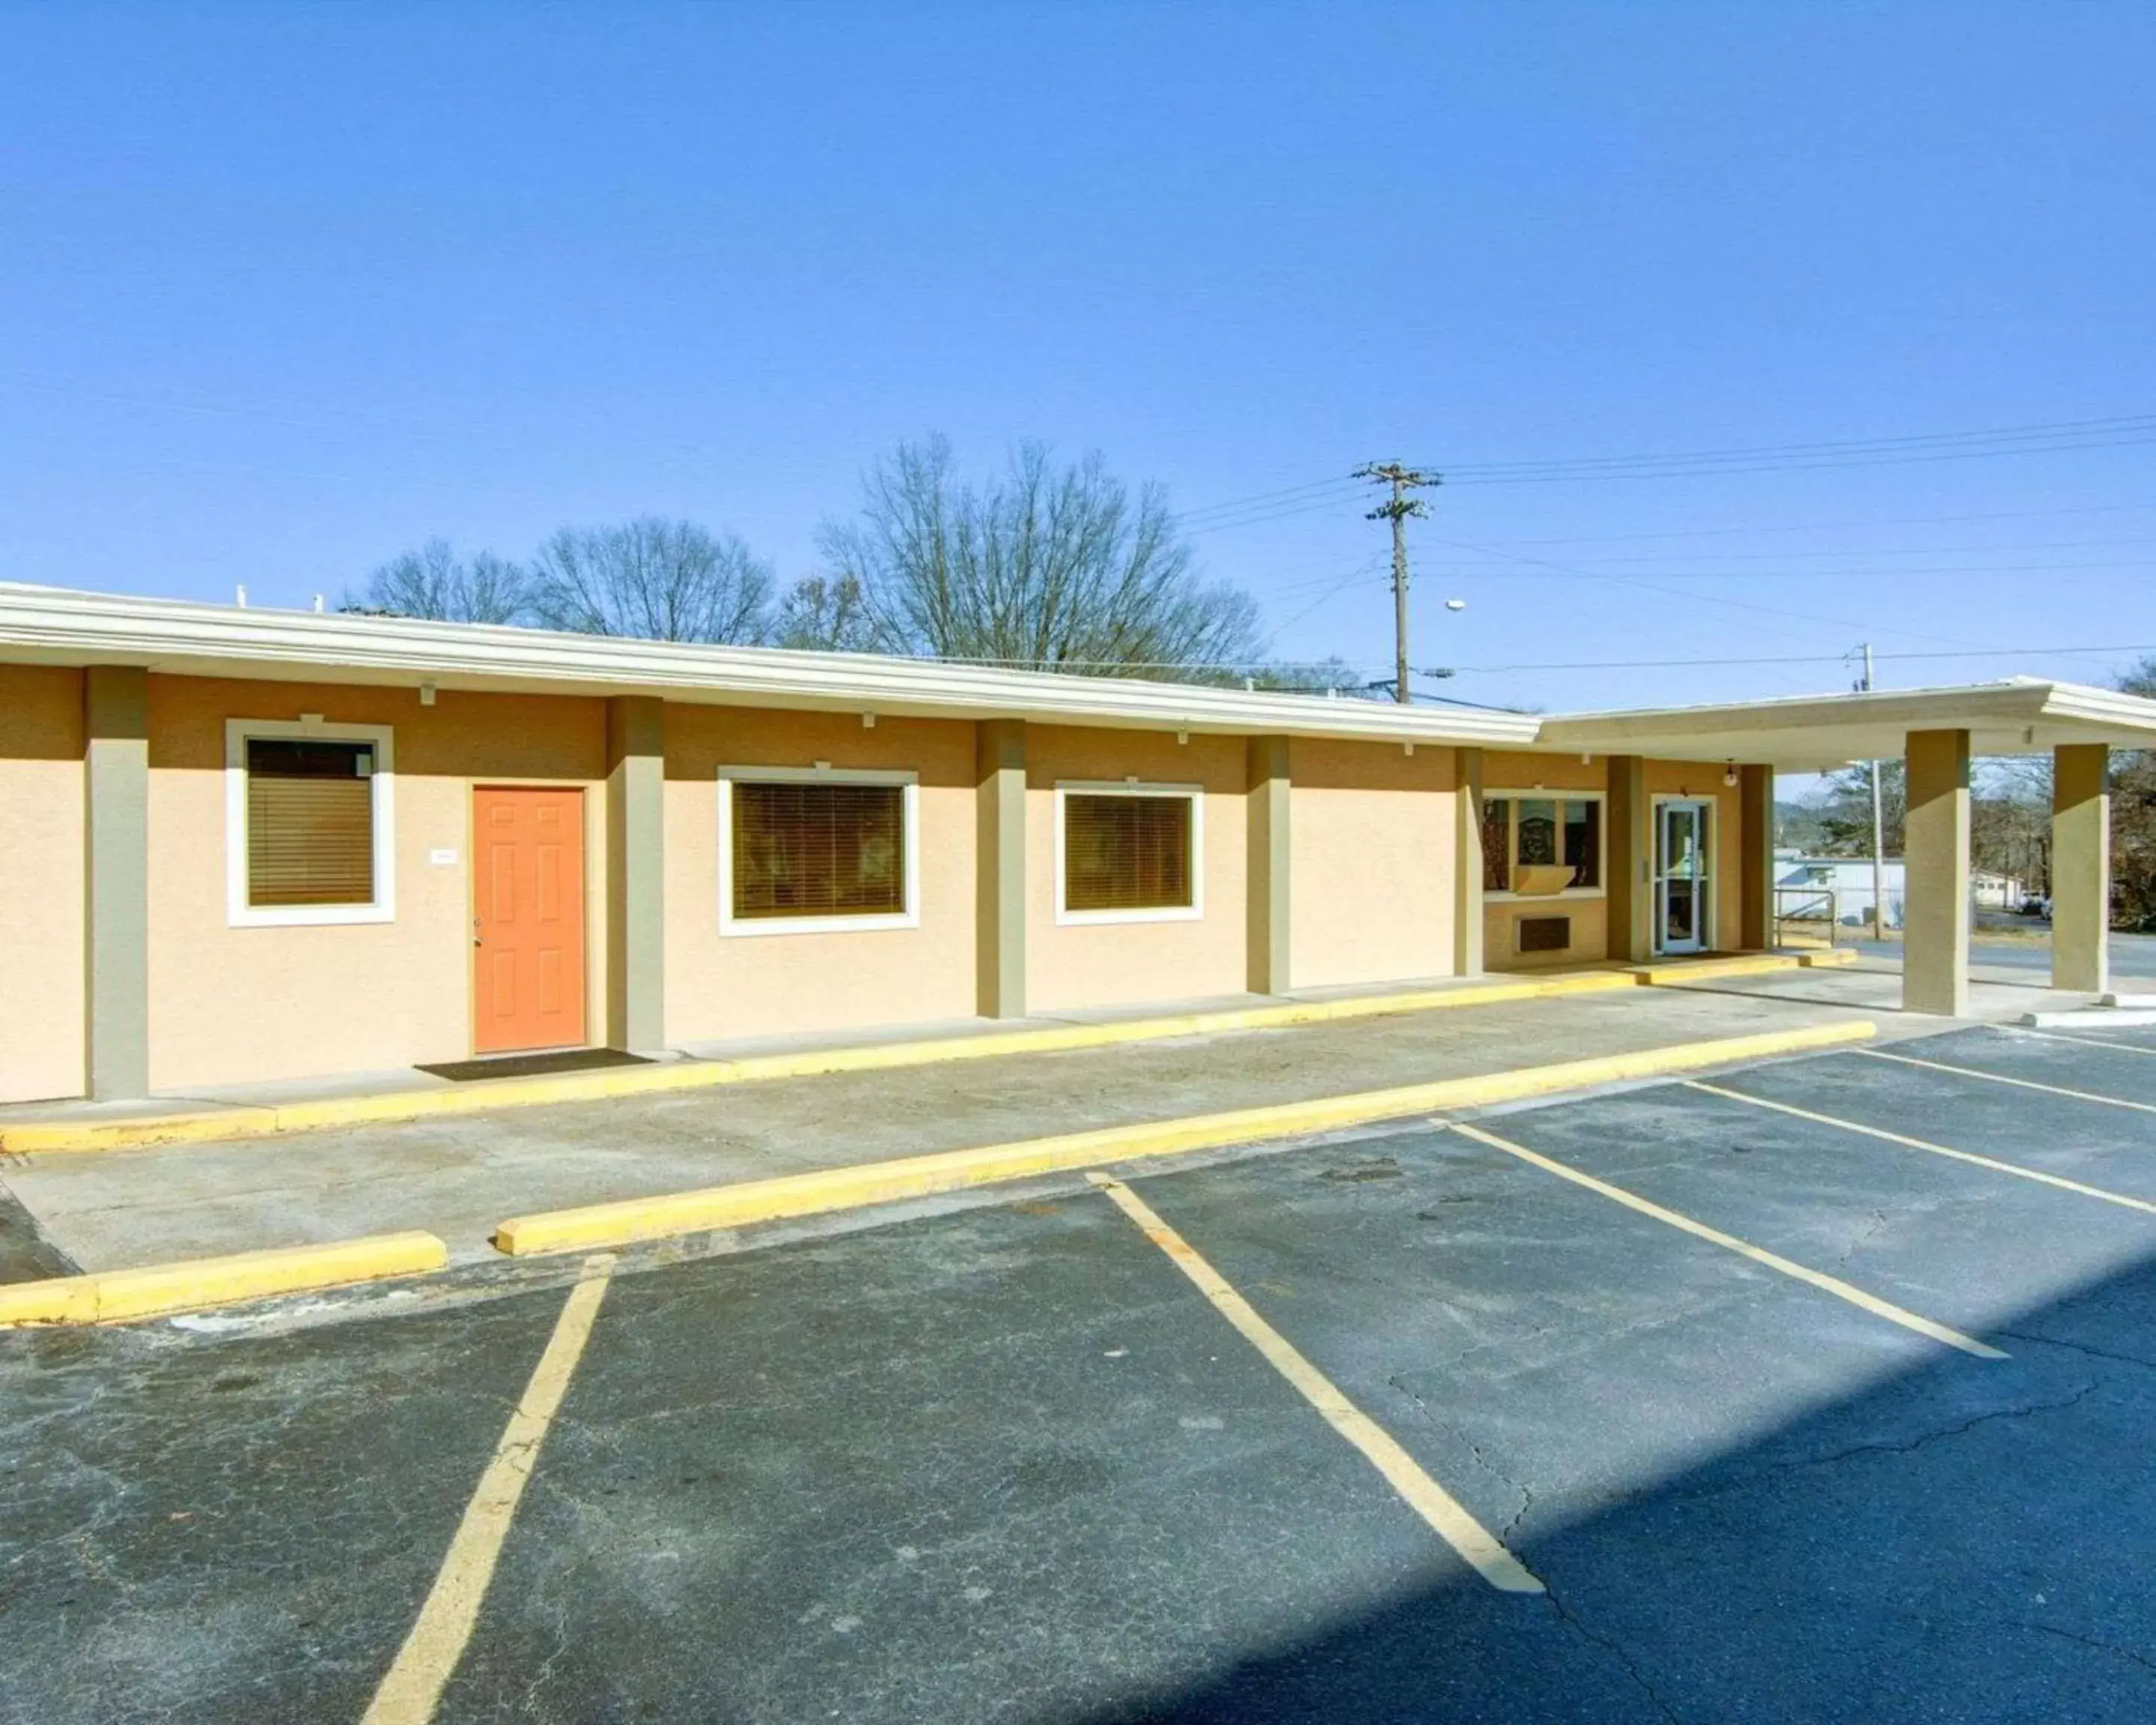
(1811,733)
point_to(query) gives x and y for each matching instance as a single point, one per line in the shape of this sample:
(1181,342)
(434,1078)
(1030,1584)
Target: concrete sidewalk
(458,1177)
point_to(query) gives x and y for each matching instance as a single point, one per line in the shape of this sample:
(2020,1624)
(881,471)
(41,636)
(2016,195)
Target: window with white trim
(1129,853)
(817,850)
(1536,845)
(307,822)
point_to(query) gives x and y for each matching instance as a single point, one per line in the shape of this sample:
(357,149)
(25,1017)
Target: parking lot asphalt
(1013,1461)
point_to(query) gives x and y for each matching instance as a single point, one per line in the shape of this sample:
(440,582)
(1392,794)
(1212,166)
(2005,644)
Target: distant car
(2032,905)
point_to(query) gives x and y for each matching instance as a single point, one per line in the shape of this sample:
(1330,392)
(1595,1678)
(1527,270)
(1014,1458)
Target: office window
(1128,854)
(817,850)
(1497,845)
(1536,845)
(307,822)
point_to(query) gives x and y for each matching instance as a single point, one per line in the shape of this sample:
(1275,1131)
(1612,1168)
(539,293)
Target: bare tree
(829,614)
(2133,820)
(654,580)
(1045,567)
(433,583)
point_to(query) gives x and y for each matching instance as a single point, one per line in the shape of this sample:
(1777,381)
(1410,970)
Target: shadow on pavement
(1925,1551)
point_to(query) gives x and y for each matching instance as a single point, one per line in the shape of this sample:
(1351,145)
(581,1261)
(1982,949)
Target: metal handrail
(1814,904)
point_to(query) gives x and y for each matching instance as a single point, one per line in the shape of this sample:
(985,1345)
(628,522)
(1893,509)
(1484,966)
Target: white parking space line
(2132,1048)
(1759,1254)
(412,1688)
(2079,1096)
(2014,1168)
(1443,1512)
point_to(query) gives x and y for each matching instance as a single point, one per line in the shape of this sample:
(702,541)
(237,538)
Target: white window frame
(730,926)
(238,912)
(1511,833)
(1195,795)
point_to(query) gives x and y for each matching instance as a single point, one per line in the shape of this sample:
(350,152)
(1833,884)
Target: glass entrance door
(1683,844)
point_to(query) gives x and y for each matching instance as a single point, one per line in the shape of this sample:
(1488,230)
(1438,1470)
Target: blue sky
(284,290)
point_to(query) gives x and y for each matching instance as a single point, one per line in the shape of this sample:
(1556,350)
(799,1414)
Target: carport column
(1467,865)
(999,932)
(1631,893)
(636,873)
(1755,896)
(1935,856)
(2081,867)
(116,800)
(1266,881)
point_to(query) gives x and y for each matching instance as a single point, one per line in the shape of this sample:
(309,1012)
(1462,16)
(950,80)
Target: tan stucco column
(1630,841)
(1266,881)
(2081,867)
(117,801)
(636,872)
(1935,857)
(1467,955)
(999,929)
(1755,926)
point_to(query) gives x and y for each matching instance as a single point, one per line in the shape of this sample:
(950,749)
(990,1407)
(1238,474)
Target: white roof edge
(2003,691)
(61,623)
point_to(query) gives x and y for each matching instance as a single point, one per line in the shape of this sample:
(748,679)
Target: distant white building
(1848,880)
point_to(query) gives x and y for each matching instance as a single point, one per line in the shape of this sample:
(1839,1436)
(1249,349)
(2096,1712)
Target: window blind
(309,823)
(811,849)
(1125,853)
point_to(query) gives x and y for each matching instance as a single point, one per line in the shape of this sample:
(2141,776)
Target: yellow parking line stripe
(413,1687)
(2133,1048)
(1968,1155)
(1759,1254)
(1452,1523)
(2079,1096)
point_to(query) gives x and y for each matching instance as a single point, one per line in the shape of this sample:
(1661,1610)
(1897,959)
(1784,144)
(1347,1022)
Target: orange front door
(528,863)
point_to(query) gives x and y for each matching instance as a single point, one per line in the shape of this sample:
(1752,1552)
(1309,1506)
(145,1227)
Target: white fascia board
(57,625)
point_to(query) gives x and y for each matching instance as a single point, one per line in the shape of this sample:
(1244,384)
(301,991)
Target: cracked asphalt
(1001,1461)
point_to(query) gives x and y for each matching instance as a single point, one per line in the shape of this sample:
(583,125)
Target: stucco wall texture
(42,978)
(236,1004)
(1371,845)
(719,988)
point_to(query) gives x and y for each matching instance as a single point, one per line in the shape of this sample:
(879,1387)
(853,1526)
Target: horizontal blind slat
(1127,853)
(808,850)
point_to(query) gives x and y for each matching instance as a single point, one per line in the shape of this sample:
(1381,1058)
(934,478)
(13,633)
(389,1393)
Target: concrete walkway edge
(35,1136)
(744,1203)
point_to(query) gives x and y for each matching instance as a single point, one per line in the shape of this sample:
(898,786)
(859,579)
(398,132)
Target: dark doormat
(536,1066)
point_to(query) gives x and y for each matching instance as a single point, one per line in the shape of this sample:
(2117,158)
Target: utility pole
(1397,510)
(1878,832)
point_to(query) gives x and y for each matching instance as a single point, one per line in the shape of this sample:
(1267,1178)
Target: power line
(2137,425)
(1397,510)
(1700,597)
(1789,659)
(1919,520)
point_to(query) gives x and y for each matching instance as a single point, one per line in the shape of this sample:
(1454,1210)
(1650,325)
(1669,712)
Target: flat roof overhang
(1813,733)
(59,626)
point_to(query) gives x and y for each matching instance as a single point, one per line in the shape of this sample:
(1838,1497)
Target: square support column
(1467,954)
(2081,867)
(117,801)
(1631,902)
(1935,858)
(999,844)
(636,873)
(1268,903)
(1755,923)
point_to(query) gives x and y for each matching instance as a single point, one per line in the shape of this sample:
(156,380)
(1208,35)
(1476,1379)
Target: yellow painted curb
(203,1126)
(746,1202)
(210,1125)
(108,1295)
(1682,970)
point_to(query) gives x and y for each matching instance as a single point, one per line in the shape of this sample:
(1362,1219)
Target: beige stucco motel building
(242,845)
